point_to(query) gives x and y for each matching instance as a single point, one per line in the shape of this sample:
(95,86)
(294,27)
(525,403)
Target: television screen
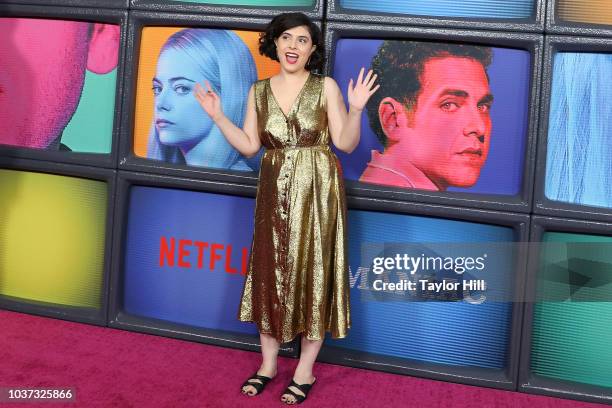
(52,235)
(585,11)
(579,143)
(450,332)
(57,84)
(500,9)
(571,331)
(186,255)
(447,116)
(170,125)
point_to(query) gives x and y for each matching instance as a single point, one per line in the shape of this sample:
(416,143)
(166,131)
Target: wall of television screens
(108,219)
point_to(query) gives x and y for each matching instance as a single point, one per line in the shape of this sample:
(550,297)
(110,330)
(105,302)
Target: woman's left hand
(359,94)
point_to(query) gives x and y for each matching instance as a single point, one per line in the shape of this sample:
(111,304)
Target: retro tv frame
(117,4)
(542,205)
(529,382)
(335,12)
(119,318)
(119,17)
(72,313)
(480,376)
(314,12)
(532,43)
(556,25)
(127,159)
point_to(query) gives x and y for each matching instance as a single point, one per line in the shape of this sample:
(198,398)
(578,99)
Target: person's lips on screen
(473,153)
(472,150)
(162,123)
(291,57)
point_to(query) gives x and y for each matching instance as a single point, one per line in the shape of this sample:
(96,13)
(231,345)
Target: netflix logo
(186,253)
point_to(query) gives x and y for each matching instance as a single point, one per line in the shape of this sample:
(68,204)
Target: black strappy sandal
(305,388)
(259,386)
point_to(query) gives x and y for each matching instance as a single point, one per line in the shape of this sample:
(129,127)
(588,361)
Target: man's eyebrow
(454,92)
(488,98)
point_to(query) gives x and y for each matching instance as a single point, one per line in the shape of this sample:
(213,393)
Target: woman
(297,281)
(181,132)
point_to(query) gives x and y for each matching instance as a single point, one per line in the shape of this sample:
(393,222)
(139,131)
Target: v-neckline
(295,101)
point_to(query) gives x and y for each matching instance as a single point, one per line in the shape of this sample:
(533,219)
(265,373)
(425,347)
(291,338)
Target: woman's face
(294,47)
(179,119)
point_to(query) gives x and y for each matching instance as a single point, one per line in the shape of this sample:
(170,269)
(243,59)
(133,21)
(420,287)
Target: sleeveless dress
(297,276)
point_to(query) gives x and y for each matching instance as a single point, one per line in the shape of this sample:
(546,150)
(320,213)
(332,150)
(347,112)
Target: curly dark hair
(287,21)
(399,65)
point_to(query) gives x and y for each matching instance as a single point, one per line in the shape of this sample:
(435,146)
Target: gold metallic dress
(297,279)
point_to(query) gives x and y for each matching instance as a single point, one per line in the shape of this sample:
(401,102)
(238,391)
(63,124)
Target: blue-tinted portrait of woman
(182,132)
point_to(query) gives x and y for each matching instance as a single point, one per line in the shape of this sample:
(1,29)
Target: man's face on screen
(42,69)
(447,135)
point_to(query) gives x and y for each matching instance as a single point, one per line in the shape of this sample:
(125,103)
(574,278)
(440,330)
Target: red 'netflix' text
(186,253)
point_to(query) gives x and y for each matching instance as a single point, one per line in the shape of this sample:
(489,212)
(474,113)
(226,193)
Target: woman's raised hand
(209,101)
(359,94)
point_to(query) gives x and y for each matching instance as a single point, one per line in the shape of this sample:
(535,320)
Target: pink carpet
(116,368)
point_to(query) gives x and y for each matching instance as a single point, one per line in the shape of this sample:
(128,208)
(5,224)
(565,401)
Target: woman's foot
(257,382)
(298,389)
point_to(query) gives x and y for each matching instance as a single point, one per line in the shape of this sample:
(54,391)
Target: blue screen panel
(454,333)
(186,257)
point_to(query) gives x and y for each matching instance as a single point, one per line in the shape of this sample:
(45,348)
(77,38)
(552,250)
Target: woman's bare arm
(345,128)
(245,140)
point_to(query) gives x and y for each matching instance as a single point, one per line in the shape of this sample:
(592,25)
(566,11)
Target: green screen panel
(572,336)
